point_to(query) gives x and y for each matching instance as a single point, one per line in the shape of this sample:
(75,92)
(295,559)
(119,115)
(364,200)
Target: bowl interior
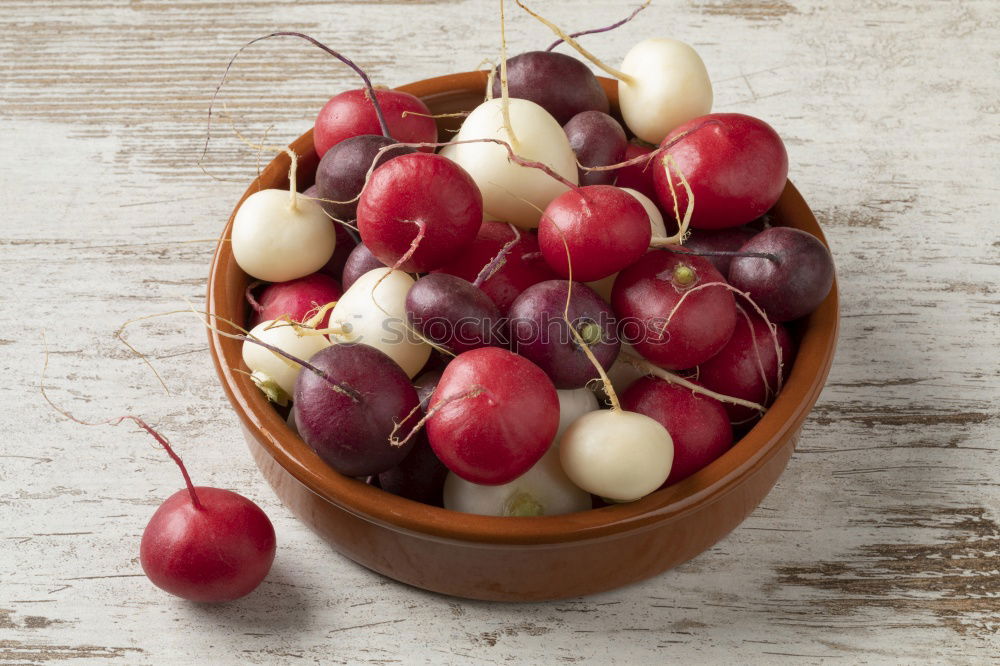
(462,92)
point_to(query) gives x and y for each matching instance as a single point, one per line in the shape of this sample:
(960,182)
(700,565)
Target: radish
(597,230)
(453,313)
(202,544)
(341,173)
(511,192)
(669,316)
(541,320)
(349,406)
(373,311)
(662,83)
(618,455)
(360,261)
(736,166)
(274,374)
(794,282)
(574,403)
(747,367)
(279,235)
(719,245)
(345,240)
(698,425)
(560,84)
(352,113)
(420,476)
(597,139)
(492,416)
(638,177)
(521,267)
(296,299)
(544,490)
(418,210)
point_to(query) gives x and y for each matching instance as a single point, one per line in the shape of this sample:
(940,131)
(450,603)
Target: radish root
(608,28)
(471,393)
(656,371)
(497,262)
(504,91)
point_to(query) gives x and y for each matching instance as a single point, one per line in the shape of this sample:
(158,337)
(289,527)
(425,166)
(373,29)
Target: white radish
(618,455)
(544,490)
(511,192)
(378,319)
(574,403)
(274,374)
(279,236)
(665,84)
(656,225)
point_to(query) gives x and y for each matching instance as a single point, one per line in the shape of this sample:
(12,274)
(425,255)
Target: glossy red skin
(341,173)
(419,189)
(360,261)
(638,177)
(351,433)
(698,425)
(523,266)
(604,229)
(217,553)
(736,168)
(297,298)
(496,436)
(597,139)
(734,370)
(702,325)
(345,240)
(793,286)
(715,240)
(351,113)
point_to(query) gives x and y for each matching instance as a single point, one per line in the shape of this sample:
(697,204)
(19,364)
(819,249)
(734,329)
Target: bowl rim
(710,484)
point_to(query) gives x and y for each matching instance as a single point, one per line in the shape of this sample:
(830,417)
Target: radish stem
(608,28)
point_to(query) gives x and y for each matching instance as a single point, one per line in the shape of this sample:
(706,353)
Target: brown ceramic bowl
(516,559)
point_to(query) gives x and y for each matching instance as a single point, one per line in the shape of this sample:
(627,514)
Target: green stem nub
(684,275)
(591,333)
(523,505)
(270,388)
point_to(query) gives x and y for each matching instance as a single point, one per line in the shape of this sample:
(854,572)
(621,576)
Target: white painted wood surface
(880,543)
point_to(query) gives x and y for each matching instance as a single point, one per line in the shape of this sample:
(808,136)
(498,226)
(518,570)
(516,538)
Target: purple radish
(452,312)
(419,476)
(360,261)
(348,414)
(540,333)
(719,240)
(341,173)
(795,284)
(598,140)
(560,84)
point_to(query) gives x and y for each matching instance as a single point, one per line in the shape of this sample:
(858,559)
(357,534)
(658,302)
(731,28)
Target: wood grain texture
(881,542)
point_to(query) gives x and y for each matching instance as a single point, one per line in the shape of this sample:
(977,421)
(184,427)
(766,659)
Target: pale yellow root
(471,393)
(682,228)
(505,93)
(657,371)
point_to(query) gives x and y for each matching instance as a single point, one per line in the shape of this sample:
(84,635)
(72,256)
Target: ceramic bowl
(515,559)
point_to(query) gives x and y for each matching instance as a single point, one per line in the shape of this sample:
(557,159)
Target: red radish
(522,266)
(352,113)
(669,316)
(296,299)
(698,425)
(719,240)
(492,416)
(638,177)
(360,261)
(747,366)
(602,228)
(597,139)
(419,209)
(207,544)
(736,167)
(791,285)
(348,410)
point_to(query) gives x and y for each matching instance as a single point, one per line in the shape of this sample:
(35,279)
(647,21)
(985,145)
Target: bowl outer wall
(411,541)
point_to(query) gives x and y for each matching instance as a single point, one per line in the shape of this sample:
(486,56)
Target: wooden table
(880,543)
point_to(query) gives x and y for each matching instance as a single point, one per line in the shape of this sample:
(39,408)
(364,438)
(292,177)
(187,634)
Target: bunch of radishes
(511,285)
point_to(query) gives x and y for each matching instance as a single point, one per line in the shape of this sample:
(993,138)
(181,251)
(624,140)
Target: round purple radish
(795,284)
(719,240)
(560,84)
(425,385)
(452,312)
(419,477)
(347,414)
(540,333)
(345,239)
(360,261)
(597,139)
(698,425)
(341,173)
